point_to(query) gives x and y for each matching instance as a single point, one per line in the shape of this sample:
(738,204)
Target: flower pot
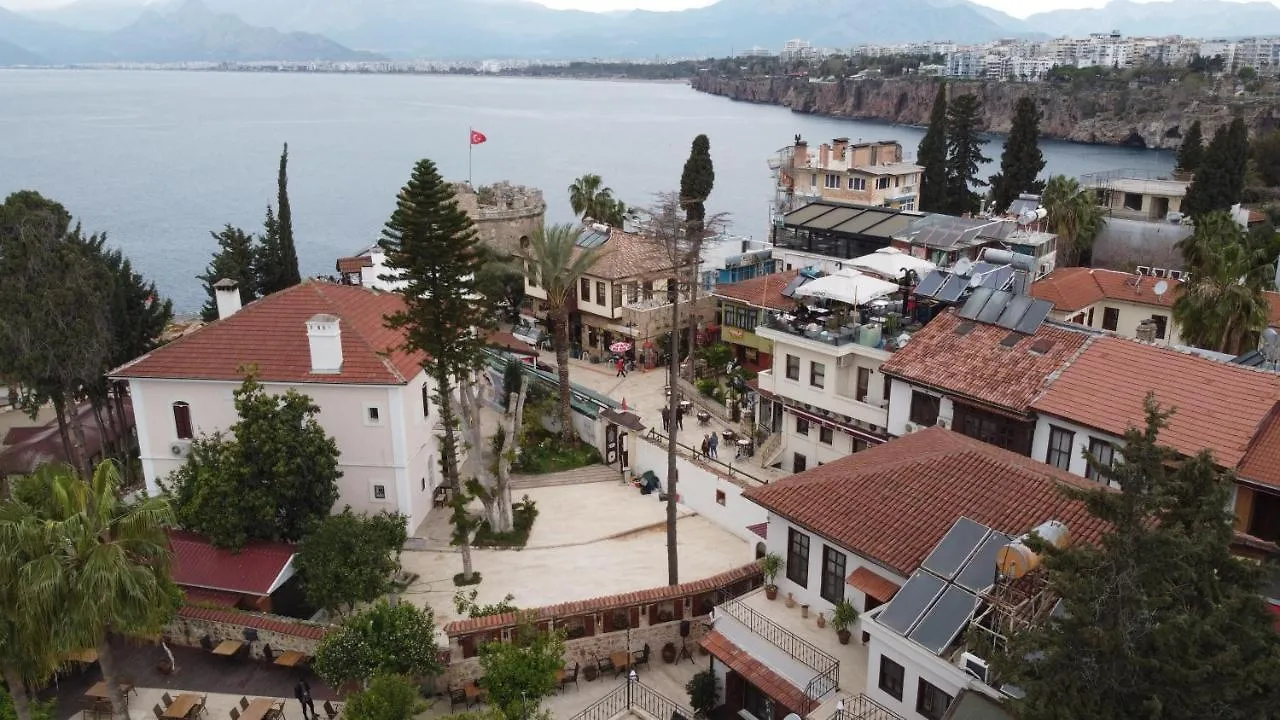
(590,672)
(804,611)
(844,636)
(771,592)
(822,620)
(669,653)
(791,600)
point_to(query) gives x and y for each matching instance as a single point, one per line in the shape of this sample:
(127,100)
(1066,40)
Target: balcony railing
(848,334)
(635,694)
(861,707)
(805,652)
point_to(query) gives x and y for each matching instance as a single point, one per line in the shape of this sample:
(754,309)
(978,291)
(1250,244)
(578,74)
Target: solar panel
(953,288)
(806,213)
(911,601)
(796,282)
(975,302)
(591,238)
(930,284)
(1014,311)
(950,554)
(980,572)
(991,311)
(1034,317)
(942,622)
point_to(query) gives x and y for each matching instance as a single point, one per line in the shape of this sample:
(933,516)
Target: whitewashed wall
(697,488)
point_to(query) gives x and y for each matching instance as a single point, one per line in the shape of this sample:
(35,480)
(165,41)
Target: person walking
(622,367)
(666,420)
(302,691)
(715,444)
(706,446)
(680,418)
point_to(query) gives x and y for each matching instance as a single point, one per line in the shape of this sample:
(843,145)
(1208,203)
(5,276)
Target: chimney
(226,293)
(324,336)
(1146,331)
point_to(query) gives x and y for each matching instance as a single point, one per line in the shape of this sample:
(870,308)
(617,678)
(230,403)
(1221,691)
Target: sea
(159,159)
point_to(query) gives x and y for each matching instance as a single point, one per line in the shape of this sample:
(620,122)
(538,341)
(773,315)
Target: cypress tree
(1219,180)
(964,155)
(932,156)
(1022,160)
(234,259)
(289,274)
(1191,151)
(266,257)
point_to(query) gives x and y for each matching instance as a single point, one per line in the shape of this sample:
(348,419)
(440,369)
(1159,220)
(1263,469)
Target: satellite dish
(962,266)
(1161,288)
(1269,347)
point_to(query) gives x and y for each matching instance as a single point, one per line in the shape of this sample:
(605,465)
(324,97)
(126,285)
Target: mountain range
(175,30)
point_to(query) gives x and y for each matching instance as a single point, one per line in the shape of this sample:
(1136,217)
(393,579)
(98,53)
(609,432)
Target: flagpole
(470,147)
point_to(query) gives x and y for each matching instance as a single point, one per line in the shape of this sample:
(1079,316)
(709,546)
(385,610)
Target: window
(882,183)
(1110,318)
(1060,442)
(798,557)
(924,408)
(832,181)
(833,574)
(633,292)
(426,400)
(799,463)
(584,292)
(1162,325)
(532,274)
(1105,453)
(909,205)
(372,415)
(891,676)
(720,497)
(993,429)
(617,295)
(793,367)
(864,381)
(802,426)
(930,701)
(379,492)
(600,293)
(817,374)
(647,287)
(759,705)
(826,435)
(182,420)
(857,183)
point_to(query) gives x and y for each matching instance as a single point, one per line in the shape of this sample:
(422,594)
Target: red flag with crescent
(477,137)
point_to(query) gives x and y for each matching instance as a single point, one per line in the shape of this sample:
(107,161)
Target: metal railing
(635,694)
(821,685)
(729,468)
(805,652)
(861,707)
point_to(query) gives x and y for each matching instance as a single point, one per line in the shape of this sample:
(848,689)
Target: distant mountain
(53,42)
(11,54)
(92,15)
(1192,18)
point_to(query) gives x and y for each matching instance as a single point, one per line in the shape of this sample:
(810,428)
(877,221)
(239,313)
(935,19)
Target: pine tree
(1022,160)
(233,260)
(932,156)
(1191,151)
(266,257)
(1159,619)
(431,245)
(288,259)
(1219,180)
(964,155)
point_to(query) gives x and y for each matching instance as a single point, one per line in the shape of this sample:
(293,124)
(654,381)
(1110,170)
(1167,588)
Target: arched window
(760,550)
(524,241)
(182,420)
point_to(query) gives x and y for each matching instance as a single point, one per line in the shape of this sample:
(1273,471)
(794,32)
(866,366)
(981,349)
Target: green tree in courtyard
(1021,161)
(234,260)
(1191,151)
(388,697)
(590,198)
(274,478)
(1223,306)
(932,156)
(277,262)
(1160,619)
(964,155)
(431,246)
(95,565)
(1219,181)
(1074,215)
(519,674)
(350,558)
(380,640)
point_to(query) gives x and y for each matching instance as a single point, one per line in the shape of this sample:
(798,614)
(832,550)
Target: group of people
(666,418)
(710,445)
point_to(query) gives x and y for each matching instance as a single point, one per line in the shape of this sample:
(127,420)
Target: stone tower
(506,215)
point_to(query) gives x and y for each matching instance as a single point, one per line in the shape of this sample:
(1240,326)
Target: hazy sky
(1017,8)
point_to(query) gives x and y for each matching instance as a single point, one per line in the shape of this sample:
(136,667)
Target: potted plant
(843,615)
(770,565)
(704,692)
(669,653)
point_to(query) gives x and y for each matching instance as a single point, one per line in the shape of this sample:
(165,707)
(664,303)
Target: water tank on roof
(600,227)
(1017,559)
(869,335)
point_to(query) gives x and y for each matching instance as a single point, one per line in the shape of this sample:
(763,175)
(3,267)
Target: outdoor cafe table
(290,658)
(259,709)
(621,660)
(181,706)
(228,648)
(99,691)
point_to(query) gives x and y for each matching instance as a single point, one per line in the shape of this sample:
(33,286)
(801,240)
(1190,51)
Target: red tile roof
(764,291)
(271,623)
(969,359)
(1071,289)
(873,584)
(629,255)
(253,571)
(507,341)
(353,264)
(1261,462)
(755,672)
(1220,406)
(893,503)
(271,333)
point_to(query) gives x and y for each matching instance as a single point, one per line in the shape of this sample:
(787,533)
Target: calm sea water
(158,159)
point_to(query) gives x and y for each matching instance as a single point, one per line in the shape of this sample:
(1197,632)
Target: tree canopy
(932,156)
(388,697)
(380,640)
(1219,180)
(277,258)
(964,155)
(1222,306)
(520,673)
(697,179)
(234,260)
(1075,216)
(590,198)
(1191,151)
(350,558)
(1021,161)
(274,478)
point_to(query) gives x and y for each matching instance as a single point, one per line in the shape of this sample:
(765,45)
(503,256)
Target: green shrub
(39,710)
(706,386)
(523,514)
(703,692)
(545,452)
(389,697)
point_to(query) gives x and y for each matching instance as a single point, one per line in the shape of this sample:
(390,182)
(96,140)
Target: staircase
(577,476)
(770,450)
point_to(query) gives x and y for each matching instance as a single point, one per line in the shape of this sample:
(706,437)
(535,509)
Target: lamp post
(631,677)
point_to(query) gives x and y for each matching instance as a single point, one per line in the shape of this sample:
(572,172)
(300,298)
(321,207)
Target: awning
(889,263)
(761,529)
(873,585)
(625,418)
(755,672)
(833,424)
(847,286)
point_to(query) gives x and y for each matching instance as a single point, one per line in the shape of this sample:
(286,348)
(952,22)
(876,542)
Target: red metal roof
(255,570)
(219,598)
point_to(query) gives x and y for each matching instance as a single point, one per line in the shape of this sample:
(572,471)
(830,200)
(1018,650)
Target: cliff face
(1154,116)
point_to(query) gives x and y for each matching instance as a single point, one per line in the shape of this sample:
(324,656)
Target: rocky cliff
(1142,116)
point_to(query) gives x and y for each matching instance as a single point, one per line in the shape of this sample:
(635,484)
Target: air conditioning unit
(975,666)
(1144,270)
(912,427)
(944,422)
(1159,272)
(180,448)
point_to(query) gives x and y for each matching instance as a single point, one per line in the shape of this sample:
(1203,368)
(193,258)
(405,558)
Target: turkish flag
(477,137)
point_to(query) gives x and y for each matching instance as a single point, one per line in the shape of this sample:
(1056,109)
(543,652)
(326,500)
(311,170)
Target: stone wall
(281,633)
(503,213)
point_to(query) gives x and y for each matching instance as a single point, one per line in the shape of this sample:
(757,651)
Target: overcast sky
(1017,8)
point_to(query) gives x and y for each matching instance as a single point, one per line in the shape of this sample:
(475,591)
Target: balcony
(877,338)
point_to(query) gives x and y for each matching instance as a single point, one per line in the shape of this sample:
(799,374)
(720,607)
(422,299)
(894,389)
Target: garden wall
(281,633)
(705,491)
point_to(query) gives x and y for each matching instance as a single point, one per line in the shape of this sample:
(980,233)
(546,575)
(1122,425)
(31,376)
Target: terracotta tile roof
(253,571)
(873,584)
(1261,462)
(976,364)
(891,504)
(1071,289)
(1220,406)
(608,602)
(270,623)
(755,672)
(630,255)
(271,333)
(764,291)
(353,264)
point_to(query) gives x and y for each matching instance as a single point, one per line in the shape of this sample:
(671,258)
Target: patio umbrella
(620,347)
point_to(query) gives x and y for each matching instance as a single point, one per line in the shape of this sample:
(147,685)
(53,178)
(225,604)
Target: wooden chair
(640,657)
(206,643)
(267,654)
(457,696)
(202,706)
(166,700)
(604,665)
(156,709)
(235,714)
(571,677)
(244,703)
(332,712)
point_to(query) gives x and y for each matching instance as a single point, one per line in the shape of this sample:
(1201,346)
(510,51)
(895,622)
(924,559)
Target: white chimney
(324,336)
(226,294)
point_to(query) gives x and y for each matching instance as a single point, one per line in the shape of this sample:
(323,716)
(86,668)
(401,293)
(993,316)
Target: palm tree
(1222,307)
(589,198)
(556,265)
(1074,214)
(29,652)
(96,566)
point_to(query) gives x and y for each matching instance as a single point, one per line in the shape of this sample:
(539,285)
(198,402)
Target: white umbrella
(890,263)
(847,286)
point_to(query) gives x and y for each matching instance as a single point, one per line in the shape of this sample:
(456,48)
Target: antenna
(1161,288)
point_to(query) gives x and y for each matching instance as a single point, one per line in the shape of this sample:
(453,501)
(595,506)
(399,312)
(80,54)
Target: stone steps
(577,476)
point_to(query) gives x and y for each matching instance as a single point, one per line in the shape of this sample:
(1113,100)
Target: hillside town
(940,447)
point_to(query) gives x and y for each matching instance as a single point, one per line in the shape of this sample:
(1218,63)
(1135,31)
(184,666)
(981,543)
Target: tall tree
(432,248)
(289,274)
(266,257)
(234,260)
(932,156)
(29,652)
(1191,151)
(1219,181)
(1160,619)
(99,565)
(1074,215)
(964,154)
(696,182)
(350,558)
(1021,161)
(556,263)
(1223,306)
(590,198)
